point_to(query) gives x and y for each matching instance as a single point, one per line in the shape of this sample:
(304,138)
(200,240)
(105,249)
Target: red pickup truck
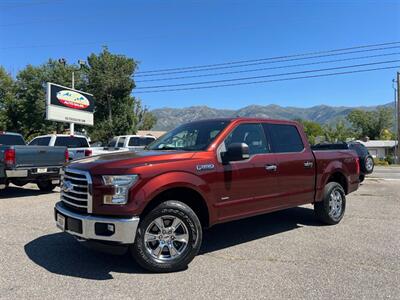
(156,202)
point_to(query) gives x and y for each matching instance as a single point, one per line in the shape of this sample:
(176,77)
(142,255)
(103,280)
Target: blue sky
(168,34)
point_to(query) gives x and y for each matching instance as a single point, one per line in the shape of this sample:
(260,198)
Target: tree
(386,134)
(110,81)
(371,123)
(8,104)
(312,130)
(145,119)
(337,133)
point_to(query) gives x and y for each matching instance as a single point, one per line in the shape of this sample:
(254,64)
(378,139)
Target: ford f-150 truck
(156,202)
(21,164)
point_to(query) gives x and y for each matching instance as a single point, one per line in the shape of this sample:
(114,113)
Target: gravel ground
(277,256)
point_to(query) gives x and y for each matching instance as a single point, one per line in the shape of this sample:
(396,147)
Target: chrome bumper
(16,173)
(124,229)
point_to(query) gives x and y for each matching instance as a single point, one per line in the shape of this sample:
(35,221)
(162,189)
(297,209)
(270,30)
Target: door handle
(271,168)
(308,164)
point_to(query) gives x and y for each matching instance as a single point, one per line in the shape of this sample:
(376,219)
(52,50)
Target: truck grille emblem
(67,186)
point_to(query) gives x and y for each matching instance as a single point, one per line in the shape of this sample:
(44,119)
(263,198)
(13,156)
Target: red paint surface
(232,191)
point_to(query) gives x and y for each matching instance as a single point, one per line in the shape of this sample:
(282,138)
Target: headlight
(121,184)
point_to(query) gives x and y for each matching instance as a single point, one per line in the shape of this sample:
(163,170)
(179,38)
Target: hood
(123,162)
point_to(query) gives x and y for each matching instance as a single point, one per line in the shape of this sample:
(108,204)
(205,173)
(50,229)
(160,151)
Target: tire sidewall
(330,187)
(189,218)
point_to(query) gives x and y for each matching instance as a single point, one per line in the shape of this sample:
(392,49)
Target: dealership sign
(68,105)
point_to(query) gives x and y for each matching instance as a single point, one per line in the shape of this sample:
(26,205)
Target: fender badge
(205,167)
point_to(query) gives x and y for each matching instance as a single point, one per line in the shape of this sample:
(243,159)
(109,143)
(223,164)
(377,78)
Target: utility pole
(398,118)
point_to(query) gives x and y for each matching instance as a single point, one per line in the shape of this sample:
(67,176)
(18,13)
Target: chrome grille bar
(76,189)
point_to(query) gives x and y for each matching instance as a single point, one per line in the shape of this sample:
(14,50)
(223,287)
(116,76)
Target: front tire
(332,207)
(46,186)
(168,238)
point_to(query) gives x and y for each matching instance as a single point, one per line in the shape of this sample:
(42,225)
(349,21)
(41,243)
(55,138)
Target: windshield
(193,136)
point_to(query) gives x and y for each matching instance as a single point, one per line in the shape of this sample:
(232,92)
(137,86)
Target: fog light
(111,228)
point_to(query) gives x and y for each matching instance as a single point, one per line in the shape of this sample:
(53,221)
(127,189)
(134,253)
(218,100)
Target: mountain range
(168,118)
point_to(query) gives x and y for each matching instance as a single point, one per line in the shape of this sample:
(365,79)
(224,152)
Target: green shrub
(380,162)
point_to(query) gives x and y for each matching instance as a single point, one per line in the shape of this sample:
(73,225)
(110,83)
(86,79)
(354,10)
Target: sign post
(64,104)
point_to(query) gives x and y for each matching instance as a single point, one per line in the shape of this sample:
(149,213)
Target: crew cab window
(121,141)
(250,134)
(40,141)
(71,142)
(11,139)
(284,138)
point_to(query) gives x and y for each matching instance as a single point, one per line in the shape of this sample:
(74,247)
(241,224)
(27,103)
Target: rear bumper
(90,227)
(51,172)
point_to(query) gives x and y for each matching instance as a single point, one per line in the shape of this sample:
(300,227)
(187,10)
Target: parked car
(132,142)
(21,164)
(78,146)
(366,159)
(155,202)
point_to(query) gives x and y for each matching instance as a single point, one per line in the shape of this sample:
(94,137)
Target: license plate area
(41,170)
(68,223)
(60,220)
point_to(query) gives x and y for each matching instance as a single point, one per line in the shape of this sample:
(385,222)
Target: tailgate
(39,156)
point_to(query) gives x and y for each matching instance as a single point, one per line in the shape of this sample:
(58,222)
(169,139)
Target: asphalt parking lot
(277,256)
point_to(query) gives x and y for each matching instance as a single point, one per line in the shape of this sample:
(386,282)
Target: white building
(380,148)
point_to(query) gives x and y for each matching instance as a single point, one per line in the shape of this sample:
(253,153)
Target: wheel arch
(184,194)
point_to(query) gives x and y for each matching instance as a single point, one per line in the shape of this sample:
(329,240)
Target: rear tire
(332,207)
(46,186)
(361,178)
(168,238)
(369,164)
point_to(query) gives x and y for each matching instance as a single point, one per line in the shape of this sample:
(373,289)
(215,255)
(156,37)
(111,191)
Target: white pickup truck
(131,142)
(78,146)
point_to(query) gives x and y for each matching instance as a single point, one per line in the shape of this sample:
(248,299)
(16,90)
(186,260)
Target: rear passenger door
(295,164)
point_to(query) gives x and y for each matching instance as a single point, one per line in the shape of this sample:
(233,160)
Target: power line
(265,76)
(266,81)
(270,62)
(269,58)
(269,68)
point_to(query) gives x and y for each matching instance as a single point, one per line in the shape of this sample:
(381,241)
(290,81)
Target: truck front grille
(75,189)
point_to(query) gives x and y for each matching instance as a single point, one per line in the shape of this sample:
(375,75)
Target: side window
(250,134)
(284,138)
(43,141)
(121,141)
(134,141)
(83,143)
(113,142)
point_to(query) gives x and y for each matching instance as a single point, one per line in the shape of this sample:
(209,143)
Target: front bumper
(90,227)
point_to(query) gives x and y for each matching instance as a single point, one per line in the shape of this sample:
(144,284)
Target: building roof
(379,144)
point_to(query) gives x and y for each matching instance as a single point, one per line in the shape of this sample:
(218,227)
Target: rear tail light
(358,165)
(88,152)
(66,154)
(9,157)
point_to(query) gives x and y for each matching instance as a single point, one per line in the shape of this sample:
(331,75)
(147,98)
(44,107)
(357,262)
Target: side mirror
(235,152)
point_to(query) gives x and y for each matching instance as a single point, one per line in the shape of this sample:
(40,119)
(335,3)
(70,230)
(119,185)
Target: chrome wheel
(369,164)
(166,238)
(335,204)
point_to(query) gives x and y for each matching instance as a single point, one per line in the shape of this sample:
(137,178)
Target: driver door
(246,187)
